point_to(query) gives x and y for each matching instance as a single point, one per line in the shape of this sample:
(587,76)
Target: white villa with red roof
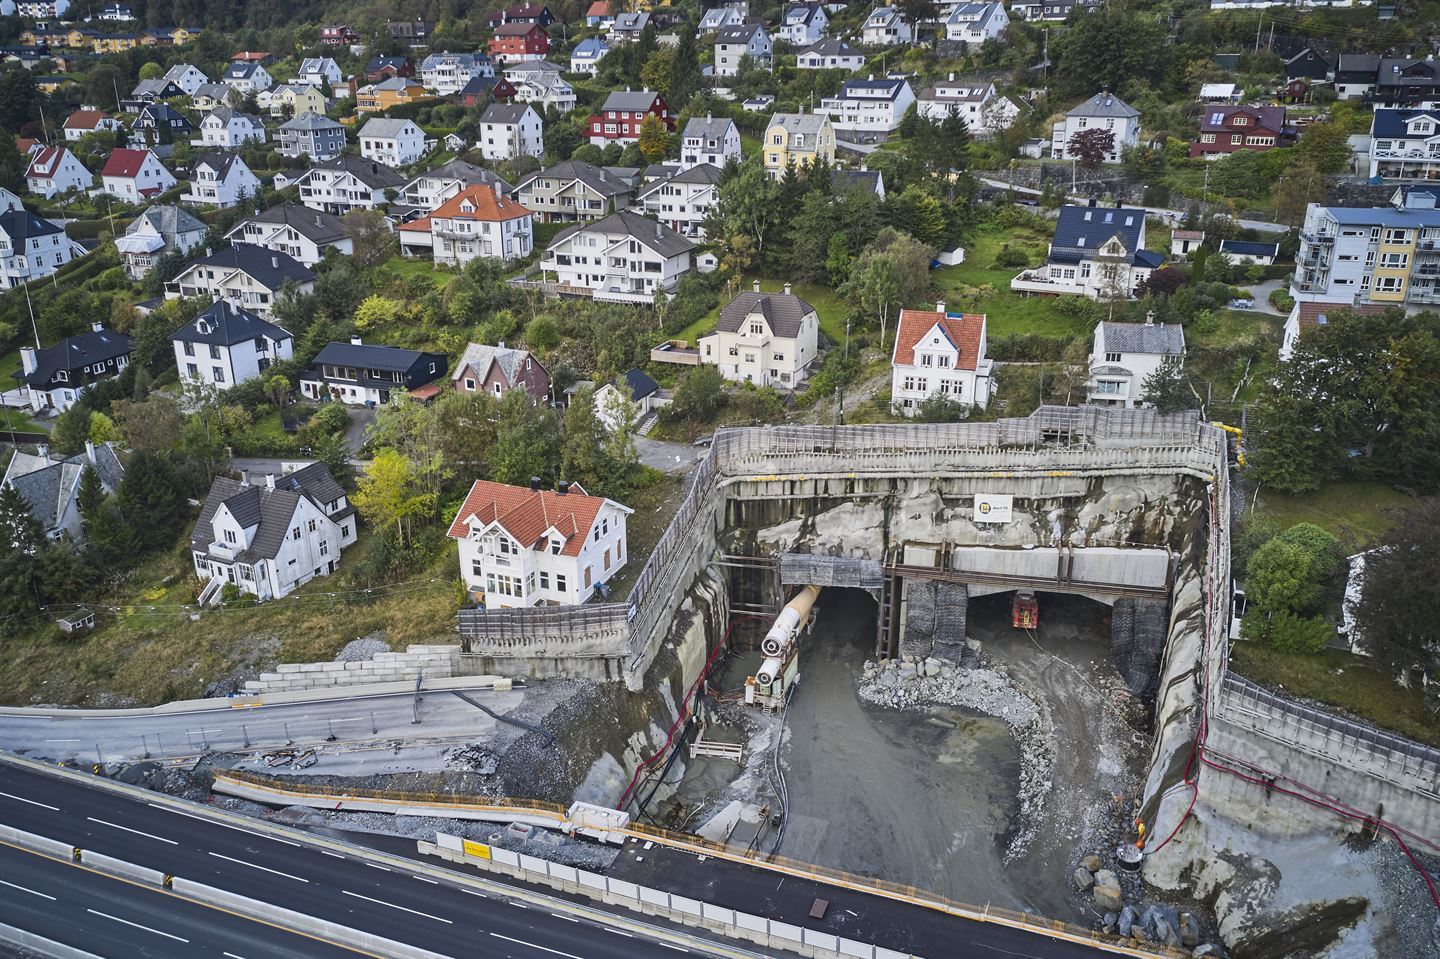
(134,175)
(943,353)
(55,170)
(534,547)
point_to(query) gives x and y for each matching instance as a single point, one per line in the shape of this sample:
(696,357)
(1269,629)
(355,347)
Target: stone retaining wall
(432,662)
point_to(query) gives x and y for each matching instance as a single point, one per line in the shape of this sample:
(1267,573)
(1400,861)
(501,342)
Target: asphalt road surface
(452,920)
(444,717)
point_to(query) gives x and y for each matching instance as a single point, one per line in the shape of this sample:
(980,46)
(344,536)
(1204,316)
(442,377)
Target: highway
(132,920)
(92,736)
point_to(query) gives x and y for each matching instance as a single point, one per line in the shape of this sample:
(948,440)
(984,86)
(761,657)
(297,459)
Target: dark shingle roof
(1166,339)
(1084,229)
(266,509)
(1247,248)
(21,225)
(638,383)
(75,352)
(602,181)
(782,311)
(390,358)
(372,173)
(652,233)
(741,33)
(504,112)
(267,267)
(312,224)
(226,325)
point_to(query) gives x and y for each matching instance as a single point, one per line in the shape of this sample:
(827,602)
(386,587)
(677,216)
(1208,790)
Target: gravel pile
(902,684)
(363,649)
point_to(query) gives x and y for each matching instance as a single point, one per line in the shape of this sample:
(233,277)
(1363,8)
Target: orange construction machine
(1024,611)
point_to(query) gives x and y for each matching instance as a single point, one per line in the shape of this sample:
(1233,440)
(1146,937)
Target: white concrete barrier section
(40,945)
(718,914)
(822,939)
(620,887)
(36,843)
(505,857)
(746,921)
(534,864)
(786,930)
(119,867)
(860,950)
(289,919)
(563,873)
(690,907)
(653,896)
(590,880)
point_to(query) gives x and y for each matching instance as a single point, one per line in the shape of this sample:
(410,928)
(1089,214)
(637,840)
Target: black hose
(549,737)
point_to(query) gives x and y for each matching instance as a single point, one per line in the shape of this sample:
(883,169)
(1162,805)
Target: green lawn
(1352,512)
(404,267)
(271,428)
(828,305)
(1343,680)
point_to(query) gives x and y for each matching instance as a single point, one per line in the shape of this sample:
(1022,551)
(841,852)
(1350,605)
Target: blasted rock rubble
(906,684)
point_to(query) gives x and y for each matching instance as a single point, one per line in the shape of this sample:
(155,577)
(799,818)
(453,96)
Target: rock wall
(1139,628)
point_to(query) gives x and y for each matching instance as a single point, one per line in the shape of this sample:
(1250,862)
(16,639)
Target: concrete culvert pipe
(769,672)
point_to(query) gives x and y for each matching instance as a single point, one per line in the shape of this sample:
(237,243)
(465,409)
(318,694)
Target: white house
(134,175)
(1103,111)
(247,77)
(85,121)
(626,400)
(230,129)
(802,24)
(976,22)
(732,44)
(939,353)
(533,547)
(249,277)
(544,90)
(477,222)
(50,485)
(709,140)
(392,142)
(510,130)
(1185,242)
(348,183)
(55,170)
(446,74)
(212,95)
(433,187)
(1096,252)
(832,54)
(725,15)
(158,231)
(226,345)
(221,179)
(985,112)
(298,232)
(586,56)
(684,199)
(359,373)
(318,71)
(1125,354)
(32,247)
(1306,315)
(869,107)
(268,538)
(625,257)
(1249,252)
(769,339)
(628,27)
(187,77)
(886,27)
(54,377)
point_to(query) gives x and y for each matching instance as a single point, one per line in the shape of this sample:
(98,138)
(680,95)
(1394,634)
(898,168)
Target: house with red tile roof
(85,121)
(601,14)
(478,221)
(54,170)
(939,353)
(1306,315)
(134,175)
(535,547)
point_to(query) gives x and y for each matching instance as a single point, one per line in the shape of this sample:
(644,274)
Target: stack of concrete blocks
(934,621)
(432,662)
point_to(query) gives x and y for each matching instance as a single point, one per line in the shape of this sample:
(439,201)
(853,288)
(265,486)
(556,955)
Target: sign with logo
(993,507)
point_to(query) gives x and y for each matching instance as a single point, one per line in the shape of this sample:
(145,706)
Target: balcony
(1320,237)
(1039,281)
(227,552)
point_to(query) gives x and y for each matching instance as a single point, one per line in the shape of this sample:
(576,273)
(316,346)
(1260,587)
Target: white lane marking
(618,932)
(474,893)
(223,825)
(381,868)
(254,866)
(423,879)
(532,945)
(232,955)
(353,719)
(417,912)
(333,855)
(566,918)
(62,740)
(135,831)
(519,905)
(668,946)
(136,925)
(31,802)
(23,889)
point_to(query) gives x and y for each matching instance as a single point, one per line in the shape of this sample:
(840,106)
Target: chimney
(207,251)
(27,360)
(274,263)
(501,345)
(356,341)
(952,78)
(244,477)
(756,286)
(270,481)
(563,488)
(1149,317)
(940,307)
(535,484)
(90,452)
(787,289)
(43,449)
(97,326)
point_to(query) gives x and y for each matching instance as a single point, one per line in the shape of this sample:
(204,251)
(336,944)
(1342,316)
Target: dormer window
(556,544)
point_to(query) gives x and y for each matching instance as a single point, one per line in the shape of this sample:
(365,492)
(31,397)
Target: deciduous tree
(387,495)
(1395,616)
(1090,146)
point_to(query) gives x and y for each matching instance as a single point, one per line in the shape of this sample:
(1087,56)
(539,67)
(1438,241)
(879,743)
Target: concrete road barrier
(119,867)
(299,922)
(36,843)
(40,945)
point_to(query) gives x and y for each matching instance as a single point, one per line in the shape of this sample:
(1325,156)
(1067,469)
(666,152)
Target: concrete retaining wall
(431,662)
(654,902)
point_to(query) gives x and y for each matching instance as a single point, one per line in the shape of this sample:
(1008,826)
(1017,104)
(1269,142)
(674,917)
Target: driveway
(361,418)
(666,456)
(1260,293)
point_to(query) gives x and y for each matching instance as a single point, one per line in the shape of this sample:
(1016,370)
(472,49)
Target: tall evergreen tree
(151,502)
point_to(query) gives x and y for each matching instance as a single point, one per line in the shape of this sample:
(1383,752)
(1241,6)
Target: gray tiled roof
(602,180)
(481,355)
(310,120)
(504,112)
(831,47)
(707,128)
(312,224)
(269,268)
(168,221)
(782,311)
(629,100)
(652,233)
(464,171)
(1103,105)
(384,127)
(269,511)
(740,33)
(809,124)
(49,483)
(1166,339)
(372,173)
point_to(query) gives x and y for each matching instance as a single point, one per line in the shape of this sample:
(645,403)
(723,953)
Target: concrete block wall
(432,662)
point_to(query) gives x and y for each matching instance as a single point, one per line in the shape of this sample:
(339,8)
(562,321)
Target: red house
(482,90)
(619,119)
(1228,129)
(514,42)
(338,35)
(383,68)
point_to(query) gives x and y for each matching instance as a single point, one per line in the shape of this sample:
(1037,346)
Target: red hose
(684,711)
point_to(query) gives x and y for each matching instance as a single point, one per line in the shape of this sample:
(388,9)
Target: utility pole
(1258,27)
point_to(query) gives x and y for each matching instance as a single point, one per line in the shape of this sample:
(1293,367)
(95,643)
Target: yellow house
(1394,260)
(388,93)
(183,35)
(79,39)
(30,38)
(117,43)
(301,98)
(49,85)
(800,137)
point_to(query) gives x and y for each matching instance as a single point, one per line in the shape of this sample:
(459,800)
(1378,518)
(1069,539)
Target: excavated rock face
(1138,630)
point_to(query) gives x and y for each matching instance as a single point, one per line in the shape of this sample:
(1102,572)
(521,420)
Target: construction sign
(477,849)
(993,507)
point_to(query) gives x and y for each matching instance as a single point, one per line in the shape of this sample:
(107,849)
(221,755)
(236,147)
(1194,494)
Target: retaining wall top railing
(1052,438)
